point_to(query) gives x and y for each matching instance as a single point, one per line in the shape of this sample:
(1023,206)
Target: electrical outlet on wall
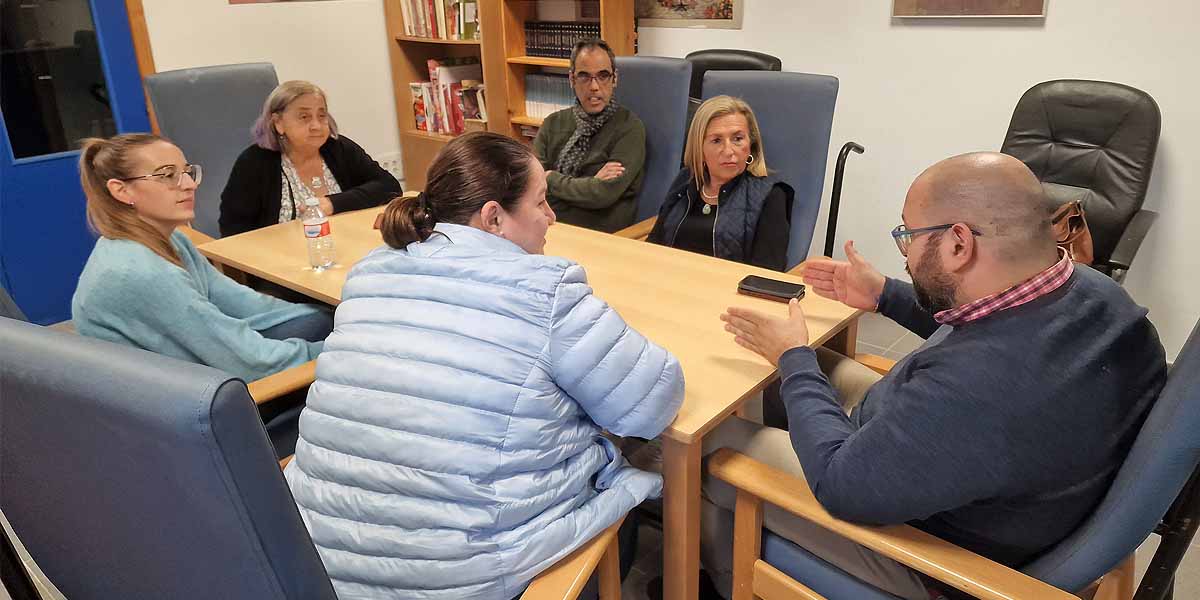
(391,163)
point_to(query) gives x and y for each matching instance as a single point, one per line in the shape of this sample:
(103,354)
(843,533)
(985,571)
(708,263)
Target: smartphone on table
(770,289)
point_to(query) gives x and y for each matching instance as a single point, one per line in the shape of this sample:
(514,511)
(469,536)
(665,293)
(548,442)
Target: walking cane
(836,200)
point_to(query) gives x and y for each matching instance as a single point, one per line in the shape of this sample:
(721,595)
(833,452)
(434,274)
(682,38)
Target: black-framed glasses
(172,177)
(903,235)
(585,78)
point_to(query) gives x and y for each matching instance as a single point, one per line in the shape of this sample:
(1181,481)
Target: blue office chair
(9,308)
(795,114)
(132,475)
(127,474)
(1156,490)
(656,90)
(208,113)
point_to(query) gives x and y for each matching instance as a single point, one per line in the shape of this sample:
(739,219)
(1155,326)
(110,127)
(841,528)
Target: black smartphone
(771,289)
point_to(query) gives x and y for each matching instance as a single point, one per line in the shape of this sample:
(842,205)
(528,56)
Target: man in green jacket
(594,151)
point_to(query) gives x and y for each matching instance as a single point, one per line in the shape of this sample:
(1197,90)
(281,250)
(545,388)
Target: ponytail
(113,158)
(471,170)
(407,220)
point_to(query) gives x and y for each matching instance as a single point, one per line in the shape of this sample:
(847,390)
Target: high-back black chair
(722,59)
(1092,141)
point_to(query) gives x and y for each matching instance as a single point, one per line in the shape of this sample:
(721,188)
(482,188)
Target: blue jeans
(281,416)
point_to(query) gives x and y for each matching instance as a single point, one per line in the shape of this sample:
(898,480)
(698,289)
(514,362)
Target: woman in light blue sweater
(145,284)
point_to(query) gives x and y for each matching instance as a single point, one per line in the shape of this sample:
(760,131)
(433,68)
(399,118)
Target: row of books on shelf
(556,39)
(441,19)
(454,93)
(547,93)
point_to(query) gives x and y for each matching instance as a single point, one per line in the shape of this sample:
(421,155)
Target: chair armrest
(273,386)
(937,558)
(566,578)
(638,231)
(194,236)
(1131,239)
(875,363)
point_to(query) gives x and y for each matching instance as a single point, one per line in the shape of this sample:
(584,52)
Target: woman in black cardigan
(297,154)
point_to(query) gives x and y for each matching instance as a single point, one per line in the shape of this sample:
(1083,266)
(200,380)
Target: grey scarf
(571,158)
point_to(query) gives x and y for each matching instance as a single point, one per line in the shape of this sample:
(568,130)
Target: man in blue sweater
(1003,431)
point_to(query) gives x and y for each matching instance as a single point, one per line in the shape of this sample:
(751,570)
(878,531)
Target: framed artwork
(709,14)
(968,8)
(267,1)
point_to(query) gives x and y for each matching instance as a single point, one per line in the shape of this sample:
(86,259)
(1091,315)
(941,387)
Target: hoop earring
(750,159)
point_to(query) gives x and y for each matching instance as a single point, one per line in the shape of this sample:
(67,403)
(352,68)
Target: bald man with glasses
(1002,432)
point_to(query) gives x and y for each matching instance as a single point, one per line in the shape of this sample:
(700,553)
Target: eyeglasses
(172,177)
(903,235)
(585,78)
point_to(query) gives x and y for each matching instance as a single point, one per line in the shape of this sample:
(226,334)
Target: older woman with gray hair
(297,154)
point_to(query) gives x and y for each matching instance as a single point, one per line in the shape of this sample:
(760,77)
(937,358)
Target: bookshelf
(501,50)
(505,63)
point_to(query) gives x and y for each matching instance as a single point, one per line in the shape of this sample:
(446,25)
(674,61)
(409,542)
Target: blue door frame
(44,238)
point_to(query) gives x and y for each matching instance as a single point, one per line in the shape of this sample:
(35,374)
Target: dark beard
(935,288)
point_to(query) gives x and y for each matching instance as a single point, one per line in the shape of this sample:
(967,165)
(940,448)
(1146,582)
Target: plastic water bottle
(318,235)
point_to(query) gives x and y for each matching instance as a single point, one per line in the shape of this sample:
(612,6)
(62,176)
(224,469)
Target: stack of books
(556,39)
(441,19)
(546,93)
(453,93)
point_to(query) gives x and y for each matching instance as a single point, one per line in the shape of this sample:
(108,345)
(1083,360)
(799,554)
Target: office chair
(722,59)
(1092,141)
(208,113)
(1155,491)
(795,115)
(656,89)
(9,308)
(128,474)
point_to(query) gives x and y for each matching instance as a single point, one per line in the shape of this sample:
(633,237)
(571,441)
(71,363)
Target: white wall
(914,92)
(341,46)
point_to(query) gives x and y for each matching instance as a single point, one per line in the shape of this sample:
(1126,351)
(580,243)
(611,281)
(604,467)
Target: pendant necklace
(707,208)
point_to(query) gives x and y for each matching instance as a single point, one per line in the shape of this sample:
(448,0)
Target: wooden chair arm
(196,237)
(566,578)
(876,363)
(937,558)
(638,231)
(273,386)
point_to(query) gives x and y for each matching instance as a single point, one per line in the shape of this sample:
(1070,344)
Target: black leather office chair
(722,59)
(1092,141)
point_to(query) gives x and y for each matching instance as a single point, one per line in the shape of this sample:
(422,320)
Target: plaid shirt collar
(1035,287)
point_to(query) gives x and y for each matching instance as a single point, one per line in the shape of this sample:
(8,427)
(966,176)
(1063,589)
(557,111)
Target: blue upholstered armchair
(1155,491)
(207,112)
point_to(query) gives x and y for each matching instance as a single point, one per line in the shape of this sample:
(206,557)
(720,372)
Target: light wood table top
(673,297)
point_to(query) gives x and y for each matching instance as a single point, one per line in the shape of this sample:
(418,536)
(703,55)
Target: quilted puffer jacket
(451,446)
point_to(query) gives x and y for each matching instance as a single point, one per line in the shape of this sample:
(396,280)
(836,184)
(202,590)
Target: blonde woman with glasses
(145,285)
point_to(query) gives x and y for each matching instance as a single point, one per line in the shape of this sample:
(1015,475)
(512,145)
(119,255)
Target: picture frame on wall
(699,14)
(968,8)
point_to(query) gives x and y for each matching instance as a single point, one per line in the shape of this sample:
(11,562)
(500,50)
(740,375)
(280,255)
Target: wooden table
(671,296)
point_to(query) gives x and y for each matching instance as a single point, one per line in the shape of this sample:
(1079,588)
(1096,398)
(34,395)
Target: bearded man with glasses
(593,152)
(1002,432)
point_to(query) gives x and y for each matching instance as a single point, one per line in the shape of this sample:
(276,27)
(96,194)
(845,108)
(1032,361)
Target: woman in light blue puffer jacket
(452,447)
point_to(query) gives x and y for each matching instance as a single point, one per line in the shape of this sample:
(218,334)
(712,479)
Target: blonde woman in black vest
(725,203)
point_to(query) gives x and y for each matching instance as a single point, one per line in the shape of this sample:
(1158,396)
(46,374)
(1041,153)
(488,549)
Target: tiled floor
(879,335)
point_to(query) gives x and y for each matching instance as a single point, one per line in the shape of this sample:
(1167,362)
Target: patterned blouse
(294,193)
